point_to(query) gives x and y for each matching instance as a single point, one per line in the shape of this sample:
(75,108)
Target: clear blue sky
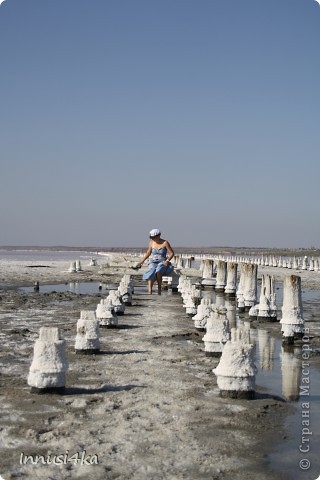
(198,117)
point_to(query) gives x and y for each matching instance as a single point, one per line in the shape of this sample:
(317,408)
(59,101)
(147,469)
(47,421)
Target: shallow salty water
(80,288)
(281,373)
(44,255)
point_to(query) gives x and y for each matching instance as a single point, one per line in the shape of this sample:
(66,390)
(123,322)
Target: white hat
(154,232)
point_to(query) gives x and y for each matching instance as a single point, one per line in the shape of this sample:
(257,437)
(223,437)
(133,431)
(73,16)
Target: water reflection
(89,288)
(281,364)
(291,366)
(266,344)
(220,299)
(231,313)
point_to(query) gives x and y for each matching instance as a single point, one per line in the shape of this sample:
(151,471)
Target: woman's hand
(137,266)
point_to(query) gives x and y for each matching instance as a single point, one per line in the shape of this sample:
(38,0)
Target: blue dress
(156,264)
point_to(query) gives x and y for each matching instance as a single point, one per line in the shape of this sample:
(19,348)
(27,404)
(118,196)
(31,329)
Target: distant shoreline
(222,250)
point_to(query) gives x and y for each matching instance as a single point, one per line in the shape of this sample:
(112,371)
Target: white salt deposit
(87,338)
(236,370)
(49,365)
(221,275)
(218,332)
(292,321)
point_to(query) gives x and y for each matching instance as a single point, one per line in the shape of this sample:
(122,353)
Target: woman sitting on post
(160,253)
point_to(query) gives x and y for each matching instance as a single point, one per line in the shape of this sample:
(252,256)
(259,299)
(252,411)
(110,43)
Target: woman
(160,253)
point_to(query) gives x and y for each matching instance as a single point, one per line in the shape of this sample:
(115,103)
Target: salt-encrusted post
(106,314)
(125,292)
(304,263)
(179,262)
(174,281)
(267,308)
(202,315)
(87,338)
(188,263)
(115,300)
(239,292)
(191,307)
(250,272)
(236,370)
(208,279)
(231,283)
(78,266)
(72,268)
(221,276)
(49,366)
(93,262)
(218,332)
(292,321)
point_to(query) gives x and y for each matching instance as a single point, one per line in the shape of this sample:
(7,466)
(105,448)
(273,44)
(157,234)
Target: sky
(197,117)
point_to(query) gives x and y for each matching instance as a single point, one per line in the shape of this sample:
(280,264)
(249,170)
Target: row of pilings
(49,365)
(239,281)
(236,370)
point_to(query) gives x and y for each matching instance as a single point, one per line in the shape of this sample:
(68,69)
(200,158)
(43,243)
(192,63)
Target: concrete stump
(249,272)
(231,282)
(174,282)
(178,261)
(125,294)
(78,266)
(87,338)
(221,276)
(117,304)
(236,371)
(49,366)
(208,279)
(72,268)
(181,283)
(190,306)
(188,262)
(267,308)
(292,321)
(304,263)
(202,315)
(218,332)
(239,291)
(125,290)
(106,315)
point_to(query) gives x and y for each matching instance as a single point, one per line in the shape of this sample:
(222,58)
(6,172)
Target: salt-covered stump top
(236,371)
(87,339)
(237,360)
(49,365)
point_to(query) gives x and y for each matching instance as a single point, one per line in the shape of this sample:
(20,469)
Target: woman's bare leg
(159,281)
(150,285)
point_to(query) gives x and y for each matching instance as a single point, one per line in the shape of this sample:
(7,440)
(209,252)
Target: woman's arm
(147,254)
(170,251)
